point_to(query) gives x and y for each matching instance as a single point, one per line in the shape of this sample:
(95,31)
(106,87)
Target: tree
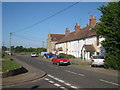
(4,48)
(19,49)
(109,28)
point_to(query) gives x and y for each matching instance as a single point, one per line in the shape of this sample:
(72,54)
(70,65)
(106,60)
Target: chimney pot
(92,21)
(77,27)
(67,32)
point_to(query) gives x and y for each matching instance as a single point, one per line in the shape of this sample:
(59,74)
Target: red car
(60,60)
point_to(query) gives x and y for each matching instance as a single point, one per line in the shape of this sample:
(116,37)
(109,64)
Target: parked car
(97,61)
(60,60)
(48,55)
(43,53)
(33,55)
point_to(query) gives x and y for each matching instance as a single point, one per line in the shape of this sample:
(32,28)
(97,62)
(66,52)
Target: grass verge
(9,65)
(6,57)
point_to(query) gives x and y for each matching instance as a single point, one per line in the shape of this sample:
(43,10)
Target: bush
(67,55)
(113,61)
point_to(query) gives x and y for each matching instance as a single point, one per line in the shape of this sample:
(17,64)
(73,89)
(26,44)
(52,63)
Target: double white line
(68,84)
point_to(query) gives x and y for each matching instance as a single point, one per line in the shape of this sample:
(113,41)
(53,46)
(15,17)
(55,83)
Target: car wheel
(69,63)
(53,63)
(92,65)
(58,63)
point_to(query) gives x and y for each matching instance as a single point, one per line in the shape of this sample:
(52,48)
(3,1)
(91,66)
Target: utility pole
(10,43)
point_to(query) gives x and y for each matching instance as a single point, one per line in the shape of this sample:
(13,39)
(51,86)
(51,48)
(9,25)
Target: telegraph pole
(10,43)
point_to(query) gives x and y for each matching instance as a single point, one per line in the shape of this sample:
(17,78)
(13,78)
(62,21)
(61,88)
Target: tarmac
(35,74)
(32,75)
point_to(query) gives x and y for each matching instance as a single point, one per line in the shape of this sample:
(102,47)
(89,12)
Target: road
(71,76)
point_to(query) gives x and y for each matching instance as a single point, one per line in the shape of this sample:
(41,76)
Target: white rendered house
(82,42)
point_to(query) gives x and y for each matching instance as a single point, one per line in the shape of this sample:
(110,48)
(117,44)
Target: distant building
(81,43)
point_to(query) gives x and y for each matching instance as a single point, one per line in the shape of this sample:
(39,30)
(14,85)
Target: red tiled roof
(82,33)
(56,37)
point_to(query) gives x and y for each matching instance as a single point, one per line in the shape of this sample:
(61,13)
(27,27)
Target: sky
(31,22)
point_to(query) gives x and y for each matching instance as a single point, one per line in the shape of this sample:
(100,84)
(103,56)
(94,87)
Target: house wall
(101,49)
(91,40)
(50,44)
(75,47)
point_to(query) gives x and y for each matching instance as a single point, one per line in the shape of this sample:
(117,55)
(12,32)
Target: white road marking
(56,79)
(68,84)
(74,73)
(51,82)
(109,82)
(63,88)
(46,79)
(73,87)
(55,84)
(58,85)
(81,74)
(61,81)
(50,76)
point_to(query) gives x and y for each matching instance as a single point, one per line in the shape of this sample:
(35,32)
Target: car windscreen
(98,57)
(33,53)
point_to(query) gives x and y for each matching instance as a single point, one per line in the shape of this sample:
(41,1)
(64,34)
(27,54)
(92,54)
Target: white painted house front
(82,42)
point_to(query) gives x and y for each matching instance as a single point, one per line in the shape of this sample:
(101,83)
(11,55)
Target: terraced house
(83,42)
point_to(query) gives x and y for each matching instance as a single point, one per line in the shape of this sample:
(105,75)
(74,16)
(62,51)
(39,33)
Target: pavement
(32,75)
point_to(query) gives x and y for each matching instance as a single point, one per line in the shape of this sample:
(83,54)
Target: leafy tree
(109,28)
(4,48)
(22,49)
(19,49)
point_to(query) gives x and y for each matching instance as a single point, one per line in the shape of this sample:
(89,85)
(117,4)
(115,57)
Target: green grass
(6,57)
(9,65)
(21,53)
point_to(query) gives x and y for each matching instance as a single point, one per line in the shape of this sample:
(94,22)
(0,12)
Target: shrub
(113,61)
(67,55)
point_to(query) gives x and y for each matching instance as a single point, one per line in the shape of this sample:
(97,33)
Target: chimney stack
(92,21)
(67,32)
(77,27)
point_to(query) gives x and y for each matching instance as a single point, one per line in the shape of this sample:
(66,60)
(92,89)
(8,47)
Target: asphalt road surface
(71,76)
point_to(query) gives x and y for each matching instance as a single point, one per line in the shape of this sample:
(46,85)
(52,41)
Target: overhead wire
(26,38)
(25,28)
(32,25)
